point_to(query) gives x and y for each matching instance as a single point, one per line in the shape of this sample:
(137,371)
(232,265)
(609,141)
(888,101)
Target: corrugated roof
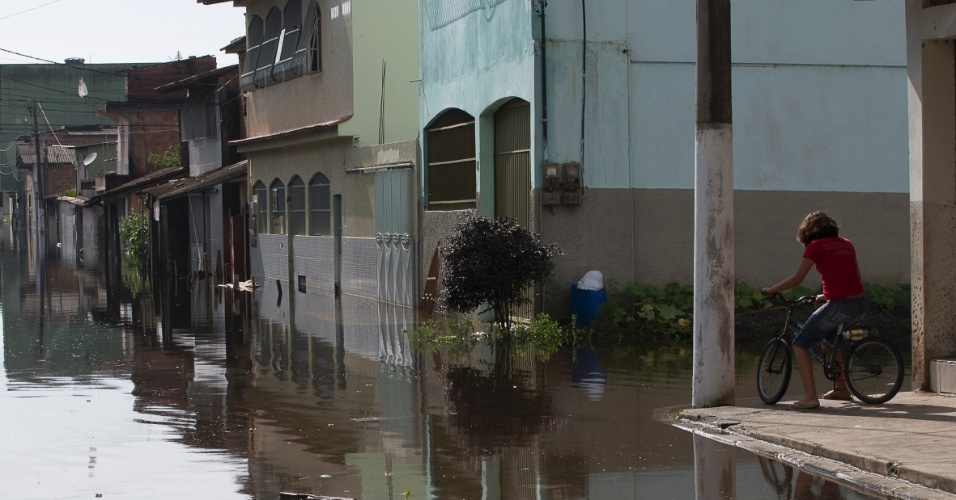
(182,187)
(139,184)
(311,129)
(48,154)
(76,200)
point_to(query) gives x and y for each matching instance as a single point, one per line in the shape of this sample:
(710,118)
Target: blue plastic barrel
(585,303)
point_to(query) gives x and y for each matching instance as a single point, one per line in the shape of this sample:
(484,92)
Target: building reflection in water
(305,393)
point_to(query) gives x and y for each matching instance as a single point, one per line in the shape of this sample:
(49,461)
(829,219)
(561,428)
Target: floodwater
(111,390)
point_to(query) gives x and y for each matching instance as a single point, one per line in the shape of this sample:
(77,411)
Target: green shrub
(888,298)
(645,310)
(648,309)
(166,159)
(543,335)
(491,261)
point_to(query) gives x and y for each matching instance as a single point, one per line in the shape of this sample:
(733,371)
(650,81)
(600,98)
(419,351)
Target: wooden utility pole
(713,383)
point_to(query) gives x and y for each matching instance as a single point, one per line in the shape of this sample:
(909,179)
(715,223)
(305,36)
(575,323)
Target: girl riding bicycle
(842,299)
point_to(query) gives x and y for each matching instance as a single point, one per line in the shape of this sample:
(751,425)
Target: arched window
(320,202)
(261,197)
(296,206)
(277,207)
(451,168)
(269,48)
(253,44)
(291,29)
(308,53)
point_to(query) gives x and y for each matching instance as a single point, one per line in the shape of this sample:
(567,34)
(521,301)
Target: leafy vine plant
(168,158)
(134,235)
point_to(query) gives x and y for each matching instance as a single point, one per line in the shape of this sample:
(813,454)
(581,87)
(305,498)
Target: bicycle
(872,367)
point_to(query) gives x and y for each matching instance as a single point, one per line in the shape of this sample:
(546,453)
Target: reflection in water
(200,391)
(714,468)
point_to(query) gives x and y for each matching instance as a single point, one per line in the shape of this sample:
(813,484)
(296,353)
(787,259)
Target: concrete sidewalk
(905,448)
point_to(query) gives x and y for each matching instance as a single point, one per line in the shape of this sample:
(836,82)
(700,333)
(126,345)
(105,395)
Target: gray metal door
(513,162)
(513,173)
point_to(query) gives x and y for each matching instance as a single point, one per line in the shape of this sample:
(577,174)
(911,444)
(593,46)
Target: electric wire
(123,72)
(28,10)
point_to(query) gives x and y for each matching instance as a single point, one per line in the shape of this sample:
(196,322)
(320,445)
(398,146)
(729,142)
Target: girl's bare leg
(805,367)
(840,390)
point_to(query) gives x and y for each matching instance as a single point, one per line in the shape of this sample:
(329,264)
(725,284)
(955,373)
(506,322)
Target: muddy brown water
(110,389)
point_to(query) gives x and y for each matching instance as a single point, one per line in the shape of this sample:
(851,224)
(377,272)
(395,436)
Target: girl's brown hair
(817,225)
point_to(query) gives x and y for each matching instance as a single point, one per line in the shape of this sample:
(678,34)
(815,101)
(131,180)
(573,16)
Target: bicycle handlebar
(806,299)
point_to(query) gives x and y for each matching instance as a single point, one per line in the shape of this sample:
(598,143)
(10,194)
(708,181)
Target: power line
(28,10)
(124,72)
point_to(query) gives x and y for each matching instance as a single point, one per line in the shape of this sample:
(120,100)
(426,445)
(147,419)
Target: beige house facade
(331,123)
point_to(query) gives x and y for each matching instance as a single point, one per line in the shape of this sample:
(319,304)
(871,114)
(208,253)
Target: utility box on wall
(552,179)
(571,184)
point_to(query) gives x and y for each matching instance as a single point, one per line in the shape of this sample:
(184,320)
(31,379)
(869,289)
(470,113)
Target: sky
(116,31)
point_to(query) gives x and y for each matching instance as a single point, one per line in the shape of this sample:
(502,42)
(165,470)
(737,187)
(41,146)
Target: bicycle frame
(832,367)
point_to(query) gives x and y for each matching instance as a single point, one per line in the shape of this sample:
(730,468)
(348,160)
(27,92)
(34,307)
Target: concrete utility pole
(713,383)
(37,188)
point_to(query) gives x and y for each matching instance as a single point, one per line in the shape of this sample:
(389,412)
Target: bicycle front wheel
(774,370)
(874,372)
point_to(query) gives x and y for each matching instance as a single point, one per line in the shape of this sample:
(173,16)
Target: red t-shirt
(835,260)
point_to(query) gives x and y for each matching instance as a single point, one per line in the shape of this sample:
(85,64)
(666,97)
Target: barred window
(261,197)
(277,205)
(296,206)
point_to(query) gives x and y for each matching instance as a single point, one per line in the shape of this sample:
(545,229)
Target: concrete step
(942,376)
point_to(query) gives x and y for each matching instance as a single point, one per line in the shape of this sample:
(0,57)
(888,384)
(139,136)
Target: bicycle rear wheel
(874,372)
(774,370)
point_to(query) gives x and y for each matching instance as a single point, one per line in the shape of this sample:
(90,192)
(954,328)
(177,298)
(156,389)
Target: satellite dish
(81,88)
(90,158)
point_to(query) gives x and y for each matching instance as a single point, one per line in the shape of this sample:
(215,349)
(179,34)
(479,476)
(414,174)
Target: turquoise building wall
(819,124)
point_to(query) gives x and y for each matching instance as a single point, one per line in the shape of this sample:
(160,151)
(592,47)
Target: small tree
(492,260)
(134,235)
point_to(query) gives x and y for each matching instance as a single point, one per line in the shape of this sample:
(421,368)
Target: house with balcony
(331,102)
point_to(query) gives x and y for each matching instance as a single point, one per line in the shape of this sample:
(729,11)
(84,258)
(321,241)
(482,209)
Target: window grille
(277,205)
(320,205)
(261,196)
(296,206)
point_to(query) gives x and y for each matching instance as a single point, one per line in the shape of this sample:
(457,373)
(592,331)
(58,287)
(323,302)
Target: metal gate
(393,230)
